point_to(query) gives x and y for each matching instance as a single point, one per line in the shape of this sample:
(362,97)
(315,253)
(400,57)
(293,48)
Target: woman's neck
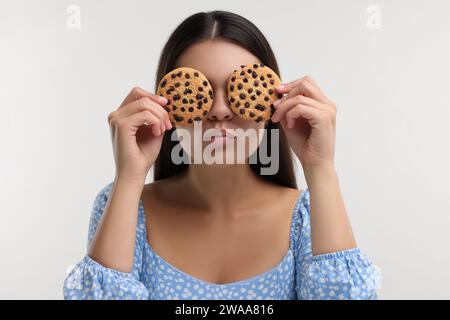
(223,188)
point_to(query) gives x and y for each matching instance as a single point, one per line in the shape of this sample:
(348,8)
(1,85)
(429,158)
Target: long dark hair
(233,27)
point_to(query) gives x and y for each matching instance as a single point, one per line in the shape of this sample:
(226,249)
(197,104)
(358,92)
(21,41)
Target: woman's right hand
(137,129)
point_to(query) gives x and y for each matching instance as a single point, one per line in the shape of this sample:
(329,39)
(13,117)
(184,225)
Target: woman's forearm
(330,227)
(114,240)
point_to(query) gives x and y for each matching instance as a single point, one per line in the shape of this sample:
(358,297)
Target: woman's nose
(220,110)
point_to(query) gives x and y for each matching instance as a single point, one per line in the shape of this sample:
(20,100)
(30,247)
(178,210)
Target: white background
(391,85)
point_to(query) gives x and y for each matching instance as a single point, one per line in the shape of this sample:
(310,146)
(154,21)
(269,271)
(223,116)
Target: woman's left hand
(308,118)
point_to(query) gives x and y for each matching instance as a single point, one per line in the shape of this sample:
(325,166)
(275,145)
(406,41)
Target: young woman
(222,231)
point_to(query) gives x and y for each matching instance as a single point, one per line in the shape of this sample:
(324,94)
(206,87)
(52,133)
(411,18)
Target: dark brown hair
(235,28)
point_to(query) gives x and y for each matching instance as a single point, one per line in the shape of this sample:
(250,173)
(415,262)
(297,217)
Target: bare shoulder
(162,190)
(283,197)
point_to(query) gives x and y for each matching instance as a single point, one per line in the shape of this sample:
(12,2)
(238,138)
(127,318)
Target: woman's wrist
(132,181)
(323,171)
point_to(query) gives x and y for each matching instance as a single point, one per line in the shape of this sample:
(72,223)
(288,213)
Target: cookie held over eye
(189,95)
(251,91)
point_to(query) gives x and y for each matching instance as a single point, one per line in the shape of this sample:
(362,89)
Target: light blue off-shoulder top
(347,274)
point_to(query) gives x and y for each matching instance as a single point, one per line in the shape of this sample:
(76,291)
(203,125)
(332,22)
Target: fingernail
(276,102)
(163,99)
(281,87)
(273,118)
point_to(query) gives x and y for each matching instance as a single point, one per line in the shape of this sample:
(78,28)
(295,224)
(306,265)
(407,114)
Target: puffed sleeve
(90,280)
(346,274)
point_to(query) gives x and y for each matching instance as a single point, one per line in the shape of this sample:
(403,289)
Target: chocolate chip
(179,74)
(191,101)
(240,86)
(272,81)
(205,100)
(242,111)
(258,92)
(199,96)
(177,84)
(232,99)
(270,91)
(231,88)
(187,91)
(199,107)
(190,120)
(168,102)
(242,96)
(238,104)
(205,83)
(197,118)
(247,104)
(173,75)
(200,89)
(163,83)
(187,76)
(191,109)
(256,82)
(200,103)
(264,85)
(187,83)
(233,79)
(262,78)
(279,96)
(259,119)
(205,112)
(269,75)
(250,90)
(242,65)
(255,66)
(242,73)
(176,97)
(266,98)
(210,93)
(167,109)
(262,108)
(261,65)
(245,80)
(178,118)
(253,97)
(251,114)
(184,100)
(174,108)
(196,74)
(254,74)
(183,109)
(249,71)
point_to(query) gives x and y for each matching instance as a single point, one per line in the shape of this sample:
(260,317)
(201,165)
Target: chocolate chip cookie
(189,95)
(251,91)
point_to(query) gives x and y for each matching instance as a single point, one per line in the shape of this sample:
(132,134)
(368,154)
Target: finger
(137,93)
(315,85)
(300,110)
(142,118)
(307,87)
(286,104)
(162,114)
(146,104)
(286,87)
